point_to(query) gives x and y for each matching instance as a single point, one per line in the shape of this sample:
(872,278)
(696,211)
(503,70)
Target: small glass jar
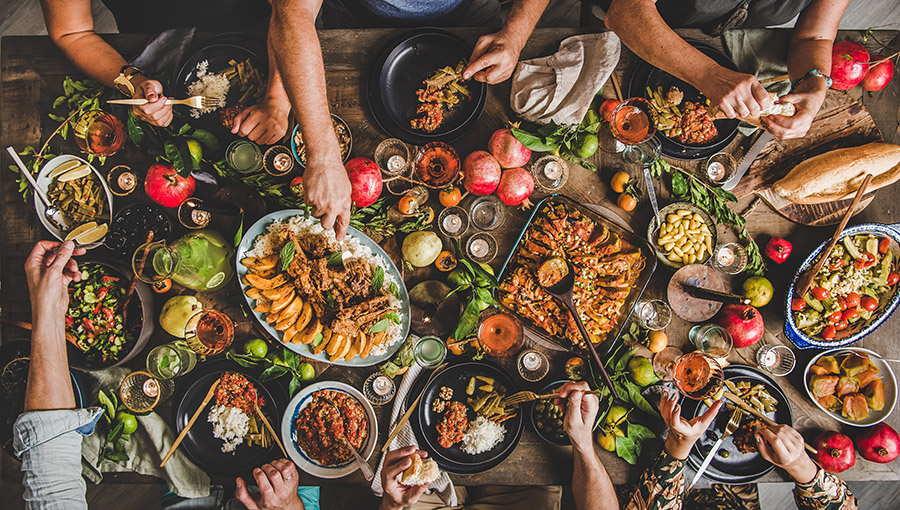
(244,156)
(730,258)
(453,221)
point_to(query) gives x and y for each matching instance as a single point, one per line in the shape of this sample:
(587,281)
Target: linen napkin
(145,448)
(443,486)
(560,87)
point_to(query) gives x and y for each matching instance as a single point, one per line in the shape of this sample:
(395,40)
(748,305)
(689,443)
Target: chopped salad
(94,322)
(859,276)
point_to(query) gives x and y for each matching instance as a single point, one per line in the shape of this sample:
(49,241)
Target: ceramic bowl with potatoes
(687,235)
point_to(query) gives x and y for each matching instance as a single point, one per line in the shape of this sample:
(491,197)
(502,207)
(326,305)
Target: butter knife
(761,141)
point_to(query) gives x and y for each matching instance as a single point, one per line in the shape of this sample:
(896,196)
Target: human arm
(292,33)
(71,27)
(810,48)
(266,122)
(591,486)
(277,482)
(814,488)
(643,30)
(396,495)
(495,55)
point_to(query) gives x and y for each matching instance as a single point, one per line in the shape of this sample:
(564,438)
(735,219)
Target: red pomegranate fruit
(849,63)
(481,173)
(516,185)
(743,322)
(165,187)
(880,73)
(878,443)
(509,151)
(835,451)
(365,181)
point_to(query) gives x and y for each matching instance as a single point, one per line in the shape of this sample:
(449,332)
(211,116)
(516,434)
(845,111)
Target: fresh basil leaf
(626,450)
(273,372)
(380,326)
(378,279)
(317,340)
(288,251)
(336,259)
(393,317)
(394,289)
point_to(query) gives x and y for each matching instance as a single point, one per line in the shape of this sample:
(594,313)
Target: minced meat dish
(745,436)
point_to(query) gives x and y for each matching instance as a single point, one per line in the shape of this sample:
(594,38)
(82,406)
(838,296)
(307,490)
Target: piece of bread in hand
(783,109)
(422,471)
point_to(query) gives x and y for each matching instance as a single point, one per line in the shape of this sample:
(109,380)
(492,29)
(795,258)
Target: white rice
(214,86)
(230,424)
(482,435)
(351,248)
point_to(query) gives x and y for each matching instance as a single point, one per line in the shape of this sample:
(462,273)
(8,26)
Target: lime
(307,372)
(216,280)
(459,278)
(196,151)
(586,145)
(208,139)
(128,421)
(258,348)
(641,371)
(759,290)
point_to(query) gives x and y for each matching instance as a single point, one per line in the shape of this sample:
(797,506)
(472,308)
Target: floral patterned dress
(662,488)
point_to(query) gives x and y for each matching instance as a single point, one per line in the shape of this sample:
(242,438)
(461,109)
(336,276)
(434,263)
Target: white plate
(887,377)
(288,436)
(43,181)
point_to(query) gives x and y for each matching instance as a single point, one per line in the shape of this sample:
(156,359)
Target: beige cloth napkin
(560,87)
(443,486)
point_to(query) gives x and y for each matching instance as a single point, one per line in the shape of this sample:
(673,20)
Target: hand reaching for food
(264,123)
(156,112)
(581,412)
(682,433)
(277,484)
(49,269)
(735,94)
(783,446)
(807,99)
(327,191)
(494,58)
(398,495)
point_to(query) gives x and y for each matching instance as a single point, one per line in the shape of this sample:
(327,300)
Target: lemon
(641,371)
(93,235)
(606,440)
(81,229)
(65,167)
(76,173)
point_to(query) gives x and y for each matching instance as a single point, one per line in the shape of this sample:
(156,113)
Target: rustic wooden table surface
(31,72)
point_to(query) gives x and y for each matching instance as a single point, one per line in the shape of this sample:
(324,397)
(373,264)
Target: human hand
(736,94)
(156,112)
(682,433)
(277,484)
(783,446)
(49,268)
(326,189)
(396,495)
(807,100)
(581,412)
(494,58)
(264,123)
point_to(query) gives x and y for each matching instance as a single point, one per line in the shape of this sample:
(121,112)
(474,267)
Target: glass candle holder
(532,365)
(550,173)
(453,221)
(776,359)
(190,216)
(379,389)
(392,157)
(122,180)
(140,392)
(487,212)
(278,160)
(481,247)
(730,258)
(720,168)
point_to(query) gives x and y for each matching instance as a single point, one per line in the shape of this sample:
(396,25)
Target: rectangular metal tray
(639,285)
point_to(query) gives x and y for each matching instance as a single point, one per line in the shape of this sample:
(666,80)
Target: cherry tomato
(828,332)
(841,325)
(842,303)
(798,304)
(883,245)
(868,303)
(867,260)
(849,314)
(835,263)
(893,278)
(820,293)
(852,300)
(834,317)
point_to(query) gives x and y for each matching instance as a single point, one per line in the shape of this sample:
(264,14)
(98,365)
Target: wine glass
(633,122)
(698,375)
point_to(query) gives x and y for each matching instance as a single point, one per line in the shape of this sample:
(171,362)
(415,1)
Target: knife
(706,461)
(692,286)
(761,141)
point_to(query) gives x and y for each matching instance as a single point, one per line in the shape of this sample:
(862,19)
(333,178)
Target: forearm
(523,16)
(591,486)
(49,383)
(275,88)
(92,55)
(813,37)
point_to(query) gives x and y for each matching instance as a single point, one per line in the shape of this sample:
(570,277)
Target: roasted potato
(260,264)
(281,303)
(326,339)
(267,283)
(309,332)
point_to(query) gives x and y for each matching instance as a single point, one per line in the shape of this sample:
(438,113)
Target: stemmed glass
(633,122)
(698,375)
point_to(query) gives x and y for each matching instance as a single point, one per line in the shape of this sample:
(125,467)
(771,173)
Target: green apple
(176,313)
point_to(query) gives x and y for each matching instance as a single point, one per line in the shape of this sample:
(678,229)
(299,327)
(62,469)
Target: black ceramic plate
(400,70)
(218,52)
(135,221)
(737,467)
(424,421)
(199,444)
(533,419)
(645,75)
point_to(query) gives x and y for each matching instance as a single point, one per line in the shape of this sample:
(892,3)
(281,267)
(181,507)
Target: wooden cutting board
(841,122)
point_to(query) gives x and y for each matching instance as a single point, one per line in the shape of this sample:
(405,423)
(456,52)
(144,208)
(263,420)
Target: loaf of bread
(421,472)
(837,174)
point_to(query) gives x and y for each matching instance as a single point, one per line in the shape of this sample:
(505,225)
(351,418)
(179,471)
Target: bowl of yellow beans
(687,235)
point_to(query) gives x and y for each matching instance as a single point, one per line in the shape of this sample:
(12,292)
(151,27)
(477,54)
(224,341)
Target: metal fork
(733,423)
(193,102)
(524,396)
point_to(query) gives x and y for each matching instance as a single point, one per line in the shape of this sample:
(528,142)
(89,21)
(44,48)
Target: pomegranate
(481,173)
(879,443)
(516,185)
(365,181)
(835,451)
(849,63)
(165,187)
(743,322)
(509,151)
(879,75)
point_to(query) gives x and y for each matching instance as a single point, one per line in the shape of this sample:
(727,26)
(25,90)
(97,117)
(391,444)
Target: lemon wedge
(81,229)
(76,173)
(65,167)
(93,235)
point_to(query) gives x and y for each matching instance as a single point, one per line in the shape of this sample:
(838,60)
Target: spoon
(562,290)
(361,462)
(54,215)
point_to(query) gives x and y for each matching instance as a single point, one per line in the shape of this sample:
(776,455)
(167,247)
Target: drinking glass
(436,164)
(209,332)
(140,392)
(499,334)
(698,375)
(429,351)
(481,247)
(244,156)
(633,122)
(712,339)
(653,314)
(99,133)
(169,360)
(776,359)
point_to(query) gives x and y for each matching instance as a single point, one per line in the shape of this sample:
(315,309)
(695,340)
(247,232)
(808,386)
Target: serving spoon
(562,289)
(53,214)
(360,461)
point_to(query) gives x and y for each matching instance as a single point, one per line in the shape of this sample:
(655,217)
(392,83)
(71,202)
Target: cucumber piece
(872,246)
(807,318)
(851,248)
(813,303)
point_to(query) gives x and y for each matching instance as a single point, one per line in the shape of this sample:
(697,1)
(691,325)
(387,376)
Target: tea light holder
(532,365)
(140,392)
(481,247)
(730,258)
(191,216)
(453,221)
(487,212)
(550,173)
(278,160)
(122,181)
(392,156)
(720,168)
(776,359)
(379,389)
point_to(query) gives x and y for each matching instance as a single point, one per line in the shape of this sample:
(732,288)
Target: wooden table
(31,74)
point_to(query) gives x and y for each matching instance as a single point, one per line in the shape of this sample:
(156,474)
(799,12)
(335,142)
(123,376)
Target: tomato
(619,181)
(834,317)
(868,303)
(840,326)
(450,196)
(834,264)
(842,303)
(893,278)
(867,260)
(852,300)
(828,332)
(883,245)
(849,314)
(627,202)
(820,293)
(798,304)
(297,186)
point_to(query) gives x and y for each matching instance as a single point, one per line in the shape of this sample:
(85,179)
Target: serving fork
(193,102)
(733,423)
